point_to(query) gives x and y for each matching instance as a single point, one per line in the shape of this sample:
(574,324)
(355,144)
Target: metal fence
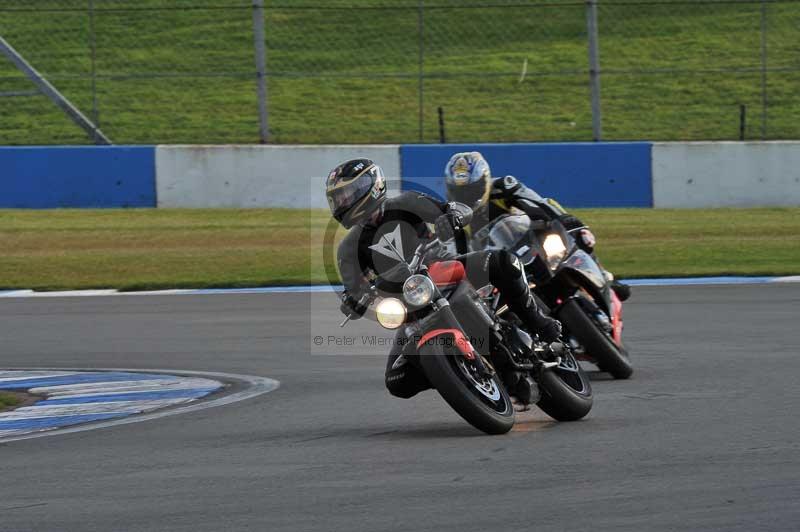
(352,71)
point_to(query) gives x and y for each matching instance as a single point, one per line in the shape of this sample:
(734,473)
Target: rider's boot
(518,295)
(528,311)
(622,290)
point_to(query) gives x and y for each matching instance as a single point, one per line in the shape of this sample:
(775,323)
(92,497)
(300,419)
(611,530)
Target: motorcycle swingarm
(537,363)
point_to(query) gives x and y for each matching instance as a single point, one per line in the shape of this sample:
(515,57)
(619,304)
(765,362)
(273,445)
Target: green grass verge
(346,74)
(164,248)
(8,401)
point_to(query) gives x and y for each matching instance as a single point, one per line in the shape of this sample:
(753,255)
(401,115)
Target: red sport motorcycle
(569,283)
(472,349)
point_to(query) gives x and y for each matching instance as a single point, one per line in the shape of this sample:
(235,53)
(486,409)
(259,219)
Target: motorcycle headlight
(391,313)
(555,249)
(418,290)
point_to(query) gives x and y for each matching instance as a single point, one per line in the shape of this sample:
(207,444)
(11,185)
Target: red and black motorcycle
(473,350)
(570,283)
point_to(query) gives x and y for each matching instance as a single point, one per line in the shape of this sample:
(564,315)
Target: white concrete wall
(726,174)
(688,175)
(257,176)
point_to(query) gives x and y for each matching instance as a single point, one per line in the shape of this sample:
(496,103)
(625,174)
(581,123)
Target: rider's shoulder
(411,196)
(351,237)
(505,186)
(355,238)
(412,206)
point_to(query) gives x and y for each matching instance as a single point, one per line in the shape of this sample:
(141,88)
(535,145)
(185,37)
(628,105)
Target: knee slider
(406,383)
(399,387)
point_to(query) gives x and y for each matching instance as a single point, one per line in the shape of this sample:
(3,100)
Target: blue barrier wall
(51,177)
(577,175)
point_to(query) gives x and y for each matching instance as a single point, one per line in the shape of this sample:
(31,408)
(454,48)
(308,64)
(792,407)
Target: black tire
(440,366)
(566,391)
(609,357)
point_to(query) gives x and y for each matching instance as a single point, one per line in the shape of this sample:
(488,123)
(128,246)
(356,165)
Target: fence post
(259,37)
(93,53)
(763,69)
(46,88)
(742,121)
(442,136)
(594,67)
(421,67)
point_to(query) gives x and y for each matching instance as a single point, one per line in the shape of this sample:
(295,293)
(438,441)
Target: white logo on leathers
(390,245)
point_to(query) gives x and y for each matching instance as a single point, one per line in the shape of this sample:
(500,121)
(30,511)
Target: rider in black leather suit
(468,180)
(356,192)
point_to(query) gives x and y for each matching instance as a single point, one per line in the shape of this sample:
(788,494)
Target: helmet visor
(344,195)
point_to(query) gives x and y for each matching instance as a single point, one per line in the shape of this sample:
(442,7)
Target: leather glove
(586,240)
(445,226)
(463,213)
(550,331)
(351,307)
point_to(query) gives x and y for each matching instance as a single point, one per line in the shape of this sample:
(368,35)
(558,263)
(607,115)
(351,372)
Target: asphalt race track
(704,437)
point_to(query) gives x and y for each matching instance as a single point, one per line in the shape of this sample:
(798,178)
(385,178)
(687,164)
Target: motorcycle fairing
(582,271)
(583,263)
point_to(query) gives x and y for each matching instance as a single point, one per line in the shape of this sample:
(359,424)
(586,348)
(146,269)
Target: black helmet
(355,190)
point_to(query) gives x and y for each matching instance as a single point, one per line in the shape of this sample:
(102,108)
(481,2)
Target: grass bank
(8,401)
(165,248)
(181,71)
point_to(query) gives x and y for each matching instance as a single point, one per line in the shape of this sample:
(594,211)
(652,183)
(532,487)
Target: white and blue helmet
(468,179)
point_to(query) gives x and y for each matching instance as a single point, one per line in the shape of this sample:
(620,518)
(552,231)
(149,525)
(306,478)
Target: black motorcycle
(569,282)
(473,350)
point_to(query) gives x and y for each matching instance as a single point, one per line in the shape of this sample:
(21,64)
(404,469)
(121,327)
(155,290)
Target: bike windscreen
(511,233)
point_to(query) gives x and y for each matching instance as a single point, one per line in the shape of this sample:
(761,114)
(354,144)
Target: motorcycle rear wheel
(609,356)
(566,391)
(483,402)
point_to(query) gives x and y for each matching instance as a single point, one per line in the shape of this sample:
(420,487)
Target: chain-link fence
(353,71)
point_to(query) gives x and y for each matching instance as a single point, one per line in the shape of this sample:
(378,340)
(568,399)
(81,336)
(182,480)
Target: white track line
(95,388)
(110,407)
(11,376)
(255,386)
(312,289)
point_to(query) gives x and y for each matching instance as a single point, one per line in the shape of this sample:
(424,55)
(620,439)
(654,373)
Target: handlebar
(365,300)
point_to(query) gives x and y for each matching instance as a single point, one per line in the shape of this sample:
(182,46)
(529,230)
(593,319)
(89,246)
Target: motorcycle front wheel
(482,401)
(609,356)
